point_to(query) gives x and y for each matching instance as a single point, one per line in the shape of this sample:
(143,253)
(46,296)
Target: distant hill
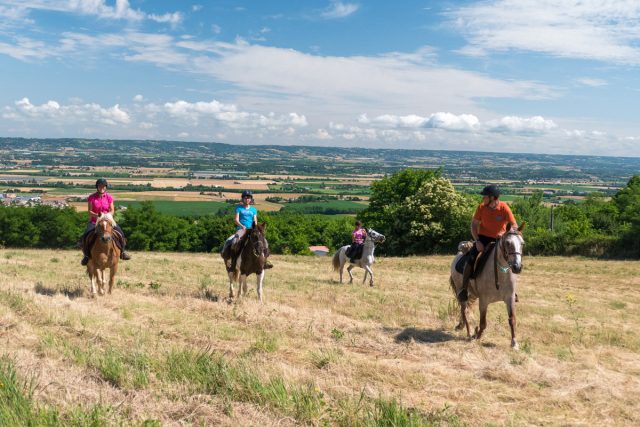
(301,160)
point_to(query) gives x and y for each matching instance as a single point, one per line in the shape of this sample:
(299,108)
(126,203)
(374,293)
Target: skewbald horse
(104,254)
(340,258)
(496,282)
(251,259)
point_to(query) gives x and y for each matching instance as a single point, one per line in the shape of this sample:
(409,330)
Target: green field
(329,207)
(181,208)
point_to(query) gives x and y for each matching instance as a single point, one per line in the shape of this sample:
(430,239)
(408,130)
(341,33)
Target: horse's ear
(521,227)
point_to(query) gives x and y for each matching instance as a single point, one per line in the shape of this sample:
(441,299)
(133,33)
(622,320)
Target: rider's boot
(267,265)
(463,295)
(125,255)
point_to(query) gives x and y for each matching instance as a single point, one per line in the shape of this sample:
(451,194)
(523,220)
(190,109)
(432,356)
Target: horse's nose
(106,239)
(517,268)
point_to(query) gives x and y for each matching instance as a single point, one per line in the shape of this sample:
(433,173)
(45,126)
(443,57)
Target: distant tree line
(149,230)
(419,211)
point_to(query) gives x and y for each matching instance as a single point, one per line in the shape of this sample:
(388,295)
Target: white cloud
(196,8)
(216,29)
(52,110)
(121,10)
(229,115)
(586,81)
(595,29)
(521,125)
(138,98)
(337,9)
(448,121)
(171,18)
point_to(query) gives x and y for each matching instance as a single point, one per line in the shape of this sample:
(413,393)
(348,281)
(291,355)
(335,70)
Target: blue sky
(498,75)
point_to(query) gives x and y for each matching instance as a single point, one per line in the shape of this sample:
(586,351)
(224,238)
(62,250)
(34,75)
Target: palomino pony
(104,254)
(340,258)
(496,282)
(251,259)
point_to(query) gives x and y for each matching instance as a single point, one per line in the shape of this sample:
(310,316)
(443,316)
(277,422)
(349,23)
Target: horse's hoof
(515,346)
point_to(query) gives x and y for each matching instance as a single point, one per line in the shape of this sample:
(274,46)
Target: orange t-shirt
(493,222)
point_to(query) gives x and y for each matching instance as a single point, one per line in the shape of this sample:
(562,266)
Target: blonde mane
(106,217)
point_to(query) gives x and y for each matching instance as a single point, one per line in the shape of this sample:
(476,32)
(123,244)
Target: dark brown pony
(251,259)
(104,254)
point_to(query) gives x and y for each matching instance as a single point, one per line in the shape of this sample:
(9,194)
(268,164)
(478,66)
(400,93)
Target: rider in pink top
(101,202)
(357,236)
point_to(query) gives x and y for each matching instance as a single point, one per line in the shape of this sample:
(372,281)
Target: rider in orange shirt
(488,224)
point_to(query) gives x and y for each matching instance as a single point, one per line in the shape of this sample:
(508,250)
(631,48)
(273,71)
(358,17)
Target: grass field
(167,348)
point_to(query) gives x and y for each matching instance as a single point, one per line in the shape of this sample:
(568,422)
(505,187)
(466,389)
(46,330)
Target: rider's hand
(479,246)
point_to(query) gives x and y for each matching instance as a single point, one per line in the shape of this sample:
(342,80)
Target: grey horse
(496,282)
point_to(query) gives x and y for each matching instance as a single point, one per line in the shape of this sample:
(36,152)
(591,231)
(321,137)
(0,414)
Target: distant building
(319,250)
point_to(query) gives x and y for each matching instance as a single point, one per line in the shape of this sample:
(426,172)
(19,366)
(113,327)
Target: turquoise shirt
(246,215)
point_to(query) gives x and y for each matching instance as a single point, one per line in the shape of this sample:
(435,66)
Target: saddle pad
(482,260)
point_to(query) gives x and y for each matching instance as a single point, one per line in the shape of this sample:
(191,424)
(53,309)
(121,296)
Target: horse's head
(257,241)
(375,236)
(512,246)
(104,227)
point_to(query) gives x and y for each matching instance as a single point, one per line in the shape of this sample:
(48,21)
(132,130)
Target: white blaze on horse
(496,282)
(251,259)
(104,255)
(340,258)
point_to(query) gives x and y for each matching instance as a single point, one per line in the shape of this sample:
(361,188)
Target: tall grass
(18,408)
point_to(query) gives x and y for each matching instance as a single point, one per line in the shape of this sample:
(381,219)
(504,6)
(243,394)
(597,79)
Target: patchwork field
(168,348)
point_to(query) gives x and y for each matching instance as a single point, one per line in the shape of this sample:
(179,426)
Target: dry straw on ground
(316,350)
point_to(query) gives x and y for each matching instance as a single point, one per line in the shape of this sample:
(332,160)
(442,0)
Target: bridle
(258,245)
(505,254)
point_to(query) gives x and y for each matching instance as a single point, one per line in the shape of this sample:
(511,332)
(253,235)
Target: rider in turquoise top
(246,217)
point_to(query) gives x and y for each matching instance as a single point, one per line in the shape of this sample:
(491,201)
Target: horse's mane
(106,217)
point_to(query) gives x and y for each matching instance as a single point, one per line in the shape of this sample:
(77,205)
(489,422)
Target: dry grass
(323,346)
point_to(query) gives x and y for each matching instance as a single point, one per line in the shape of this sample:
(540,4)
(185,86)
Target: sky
(517,76)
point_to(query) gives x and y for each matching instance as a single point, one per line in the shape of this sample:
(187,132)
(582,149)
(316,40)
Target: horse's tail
(336,261)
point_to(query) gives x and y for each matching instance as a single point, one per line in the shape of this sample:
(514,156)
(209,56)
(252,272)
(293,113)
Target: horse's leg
(367,269)
(350,275)
(101,274)
(92,278)
(511,312)
(483,318)
(260,278)
(242,285)
(364,279)
(112,276)
(245,289)
(231,277)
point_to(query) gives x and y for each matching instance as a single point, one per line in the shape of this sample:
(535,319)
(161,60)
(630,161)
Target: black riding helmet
(491,190)
(102,181)
(246,193)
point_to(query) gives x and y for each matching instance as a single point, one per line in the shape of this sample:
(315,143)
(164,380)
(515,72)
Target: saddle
(479,261)
(354,251)
(234,251)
